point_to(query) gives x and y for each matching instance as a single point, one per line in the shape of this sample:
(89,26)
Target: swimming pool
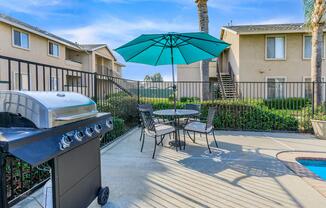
(318,167)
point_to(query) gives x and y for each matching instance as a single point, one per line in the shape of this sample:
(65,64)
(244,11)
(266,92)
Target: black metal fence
(274,105)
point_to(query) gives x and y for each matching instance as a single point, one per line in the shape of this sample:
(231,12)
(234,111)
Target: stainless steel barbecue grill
(63,129)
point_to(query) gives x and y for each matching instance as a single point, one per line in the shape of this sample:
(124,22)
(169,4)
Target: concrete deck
(243,172)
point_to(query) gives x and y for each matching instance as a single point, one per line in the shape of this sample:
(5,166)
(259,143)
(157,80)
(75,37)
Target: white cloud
(32,7)
(116,31)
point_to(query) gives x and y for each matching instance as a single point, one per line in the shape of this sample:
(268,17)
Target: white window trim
(303,80)
(285,48)
(13,39)
(304,46)
(49,41)
(16,85)
(272,77)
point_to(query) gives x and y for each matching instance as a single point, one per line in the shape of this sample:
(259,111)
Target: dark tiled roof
(23,24)
(91,47)
(295,27)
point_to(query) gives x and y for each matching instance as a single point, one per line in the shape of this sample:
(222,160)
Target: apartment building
(20,40)
(274,53)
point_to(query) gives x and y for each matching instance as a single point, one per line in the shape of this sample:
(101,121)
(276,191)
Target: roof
(92,47)
(15,22)
(267,29)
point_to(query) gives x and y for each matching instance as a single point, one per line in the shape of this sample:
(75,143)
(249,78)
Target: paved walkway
(243,172)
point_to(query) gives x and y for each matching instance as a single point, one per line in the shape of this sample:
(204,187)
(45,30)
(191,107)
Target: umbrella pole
(174,88)
(173,79)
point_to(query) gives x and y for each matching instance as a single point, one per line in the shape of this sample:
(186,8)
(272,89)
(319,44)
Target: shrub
(189,99)
(124,107)
(240,114)
(287,103)
(250,117)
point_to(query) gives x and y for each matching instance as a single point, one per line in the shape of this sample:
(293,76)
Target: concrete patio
(243,172)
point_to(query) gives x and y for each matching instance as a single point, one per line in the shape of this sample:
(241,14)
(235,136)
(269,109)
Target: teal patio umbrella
(171,49)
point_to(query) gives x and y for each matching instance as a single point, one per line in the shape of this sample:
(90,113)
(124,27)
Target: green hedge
(287,103)
(241,115)
(189,99)
(124,107)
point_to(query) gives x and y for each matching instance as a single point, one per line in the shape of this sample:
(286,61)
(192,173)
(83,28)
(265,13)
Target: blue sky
(115,22)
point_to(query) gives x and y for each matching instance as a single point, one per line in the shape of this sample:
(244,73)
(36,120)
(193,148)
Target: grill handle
(75,117)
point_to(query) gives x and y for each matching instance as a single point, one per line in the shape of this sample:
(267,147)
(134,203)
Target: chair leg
(209,149)
(194,137)
(179,138)
(155,144)
(142,144)
(176,140)
(141,133)
(215,139)
(170,136)
(184,139)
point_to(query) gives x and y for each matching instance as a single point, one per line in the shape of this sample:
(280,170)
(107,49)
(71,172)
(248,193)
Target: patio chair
(203,128)
(148,107)
(153,129)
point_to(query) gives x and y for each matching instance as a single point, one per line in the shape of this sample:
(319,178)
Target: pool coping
(290,160)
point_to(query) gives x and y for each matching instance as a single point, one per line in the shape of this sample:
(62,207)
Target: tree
(203,27)
(154,78)
(315,20)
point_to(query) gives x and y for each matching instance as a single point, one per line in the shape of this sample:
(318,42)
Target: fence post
(138,93)
(313,99)
(3,184)
(95,87)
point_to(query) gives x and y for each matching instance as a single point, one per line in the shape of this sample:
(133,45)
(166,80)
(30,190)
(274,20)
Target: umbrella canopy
(172,48)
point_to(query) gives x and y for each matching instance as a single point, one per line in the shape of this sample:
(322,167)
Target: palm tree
(315,20)
(203,26)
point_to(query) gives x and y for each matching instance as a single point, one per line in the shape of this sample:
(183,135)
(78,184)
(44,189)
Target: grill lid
(47,109)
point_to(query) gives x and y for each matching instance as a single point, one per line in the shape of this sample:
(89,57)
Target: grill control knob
(79,136)
(65,142)
(89,131)
(108,123)
(98,128)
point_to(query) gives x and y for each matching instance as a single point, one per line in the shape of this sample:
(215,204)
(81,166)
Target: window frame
(285,47)
(273,77)
(304,89)
(13,38)
(304,46)
(54,43)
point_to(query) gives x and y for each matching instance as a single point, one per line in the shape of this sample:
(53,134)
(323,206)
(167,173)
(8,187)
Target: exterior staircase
(228,86)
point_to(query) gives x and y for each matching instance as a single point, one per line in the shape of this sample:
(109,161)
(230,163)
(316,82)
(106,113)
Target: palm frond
(308,10)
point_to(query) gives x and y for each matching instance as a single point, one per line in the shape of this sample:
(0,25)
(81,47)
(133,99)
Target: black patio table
(176,115)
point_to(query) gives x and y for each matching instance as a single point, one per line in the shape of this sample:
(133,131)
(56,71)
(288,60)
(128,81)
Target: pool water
(318,167)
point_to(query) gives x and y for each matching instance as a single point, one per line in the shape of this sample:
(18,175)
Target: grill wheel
(103,196)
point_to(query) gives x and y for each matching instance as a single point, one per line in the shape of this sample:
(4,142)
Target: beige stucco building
(261,53)
(20,40)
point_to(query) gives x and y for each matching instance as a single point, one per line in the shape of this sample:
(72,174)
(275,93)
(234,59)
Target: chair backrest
(147,119)
(210,117)
(196,107)
(148,107)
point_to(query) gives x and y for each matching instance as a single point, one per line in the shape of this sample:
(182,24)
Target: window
(20,39)
(53,84)
(23,81)
(308,88)
(275,87)
(307,47)
(54,49)
(275,47)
